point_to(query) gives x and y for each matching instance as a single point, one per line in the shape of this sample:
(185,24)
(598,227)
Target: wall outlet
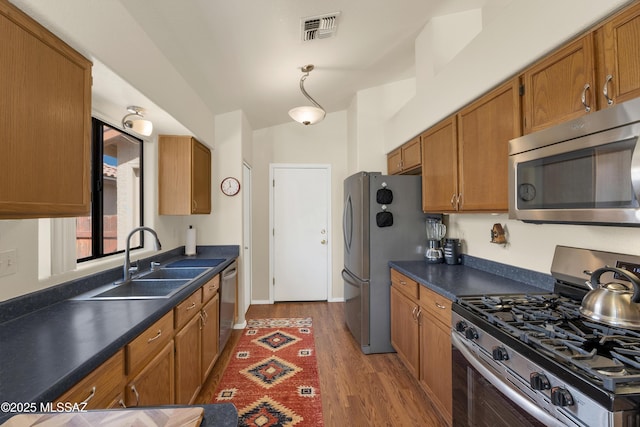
(8,262)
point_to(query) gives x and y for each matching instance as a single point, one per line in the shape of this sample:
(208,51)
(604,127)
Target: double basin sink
(155,284)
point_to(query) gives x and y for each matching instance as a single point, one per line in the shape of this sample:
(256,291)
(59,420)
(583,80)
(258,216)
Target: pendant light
(307,115)
(135,121)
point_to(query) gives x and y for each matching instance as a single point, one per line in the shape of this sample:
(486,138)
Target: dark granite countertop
(474,277)
(48,349)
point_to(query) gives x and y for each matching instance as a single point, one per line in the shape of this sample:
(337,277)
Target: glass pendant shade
(307,115)
(140,126)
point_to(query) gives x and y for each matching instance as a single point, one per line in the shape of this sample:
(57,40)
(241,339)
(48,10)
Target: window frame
(97,187)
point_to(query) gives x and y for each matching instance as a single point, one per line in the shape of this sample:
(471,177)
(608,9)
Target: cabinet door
(404,329)
(45,122)
(553,87)
(435,363)
(154,385)
(102,388)
(440,167)
(394,162)
(200,179)
(619,57)
(484,130)
(411,155)
(188,375)
(210,335)
(184,176)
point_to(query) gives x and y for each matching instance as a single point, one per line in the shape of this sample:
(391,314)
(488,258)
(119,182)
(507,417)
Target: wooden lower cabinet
(404,329)
(154,385)
(210,334)
(188,378)
(435,349)
(102,388)
(420,335)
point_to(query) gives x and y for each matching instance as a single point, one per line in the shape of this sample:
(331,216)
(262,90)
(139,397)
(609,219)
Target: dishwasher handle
(230,272)
(508,390)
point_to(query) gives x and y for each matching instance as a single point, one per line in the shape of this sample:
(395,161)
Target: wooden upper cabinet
(405,159)
(561,86)
(394,162)
(484,130)
(45,121)
(617,47)
(440,167)
(184,176)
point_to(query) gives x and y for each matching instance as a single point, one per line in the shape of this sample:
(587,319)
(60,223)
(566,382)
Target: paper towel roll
(190,245)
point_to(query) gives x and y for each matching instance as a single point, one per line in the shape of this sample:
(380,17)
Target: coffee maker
(435,233)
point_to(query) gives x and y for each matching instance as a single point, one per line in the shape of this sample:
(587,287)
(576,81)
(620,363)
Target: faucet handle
(133,268)
(155,266)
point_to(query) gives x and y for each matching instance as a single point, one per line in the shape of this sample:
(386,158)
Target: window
(116,202)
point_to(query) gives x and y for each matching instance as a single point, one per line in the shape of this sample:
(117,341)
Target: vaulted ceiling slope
(247,54)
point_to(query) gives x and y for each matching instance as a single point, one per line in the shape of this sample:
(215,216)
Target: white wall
(370,110)
(326,143)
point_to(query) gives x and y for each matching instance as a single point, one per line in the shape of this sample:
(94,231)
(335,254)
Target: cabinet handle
(440,306)
(419,317)
(156,337)
(203,318)
(191,307)
(453,200)
(413,313)
(458,198)
(93,393)
(587,108)
(402,282)
(133,389)
(605,89)
(121,403)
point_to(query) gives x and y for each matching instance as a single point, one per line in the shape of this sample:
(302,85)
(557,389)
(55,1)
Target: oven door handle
(511,392)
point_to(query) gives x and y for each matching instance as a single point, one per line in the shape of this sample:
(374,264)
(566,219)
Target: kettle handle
(635,281)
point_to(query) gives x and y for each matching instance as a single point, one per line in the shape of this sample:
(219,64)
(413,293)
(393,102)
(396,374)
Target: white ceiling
(247,54)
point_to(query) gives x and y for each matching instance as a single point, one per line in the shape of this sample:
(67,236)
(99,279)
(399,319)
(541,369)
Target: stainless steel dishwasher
(228,283)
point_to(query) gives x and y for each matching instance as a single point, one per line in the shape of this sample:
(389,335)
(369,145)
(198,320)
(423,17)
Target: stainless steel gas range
(535,360)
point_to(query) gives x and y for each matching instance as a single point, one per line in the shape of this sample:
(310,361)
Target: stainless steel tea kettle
(613,303)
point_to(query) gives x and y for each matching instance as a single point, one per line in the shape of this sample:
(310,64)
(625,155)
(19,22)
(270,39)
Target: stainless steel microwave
(583,171)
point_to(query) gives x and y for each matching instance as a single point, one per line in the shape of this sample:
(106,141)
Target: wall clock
(230,186)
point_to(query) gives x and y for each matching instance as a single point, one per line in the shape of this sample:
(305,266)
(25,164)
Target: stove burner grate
(603,354)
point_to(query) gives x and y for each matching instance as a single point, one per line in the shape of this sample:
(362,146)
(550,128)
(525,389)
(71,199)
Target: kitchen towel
(190,245)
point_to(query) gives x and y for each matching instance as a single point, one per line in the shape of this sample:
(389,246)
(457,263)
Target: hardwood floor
(356,389)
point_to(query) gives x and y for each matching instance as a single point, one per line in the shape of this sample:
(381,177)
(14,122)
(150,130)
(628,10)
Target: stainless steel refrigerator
(374,236)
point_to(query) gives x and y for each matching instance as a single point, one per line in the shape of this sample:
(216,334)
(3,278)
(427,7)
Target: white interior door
(246,235)
(300,232)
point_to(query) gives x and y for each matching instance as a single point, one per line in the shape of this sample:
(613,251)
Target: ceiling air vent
(319,27)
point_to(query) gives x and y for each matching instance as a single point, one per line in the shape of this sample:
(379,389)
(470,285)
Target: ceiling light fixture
(307,115)
(136,122)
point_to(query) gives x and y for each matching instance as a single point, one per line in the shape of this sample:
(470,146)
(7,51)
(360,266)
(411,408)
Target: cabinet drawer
(407,286)
(187,309)
(148,343)
(436,305)
(100,388)
(210,288)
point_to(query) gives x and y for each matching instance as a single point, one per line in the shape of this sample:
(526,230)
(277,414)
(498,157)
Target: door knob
(323,241)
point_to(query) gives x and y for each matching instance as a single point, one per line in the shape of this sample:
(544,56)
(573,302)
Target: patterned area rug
(272,377)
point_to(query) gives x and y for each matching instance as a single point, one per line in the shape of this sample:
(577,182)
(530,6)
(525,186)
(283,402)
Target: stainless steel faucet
(127,261)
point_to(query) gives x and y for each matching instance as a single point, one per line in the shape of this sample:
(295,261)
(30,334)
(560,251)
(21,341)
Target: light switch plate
(8,262)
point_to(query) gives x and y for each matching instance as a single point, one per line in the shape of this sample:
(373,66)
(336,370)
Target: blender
(435,233)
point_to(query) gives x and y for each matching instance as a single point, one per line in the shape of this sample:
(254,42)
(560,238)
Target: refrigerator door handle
(351,279)
(347,223)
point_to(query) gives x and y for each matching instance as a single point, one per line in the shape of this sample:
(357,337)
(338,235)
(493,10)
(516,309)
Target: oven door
(482,398)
